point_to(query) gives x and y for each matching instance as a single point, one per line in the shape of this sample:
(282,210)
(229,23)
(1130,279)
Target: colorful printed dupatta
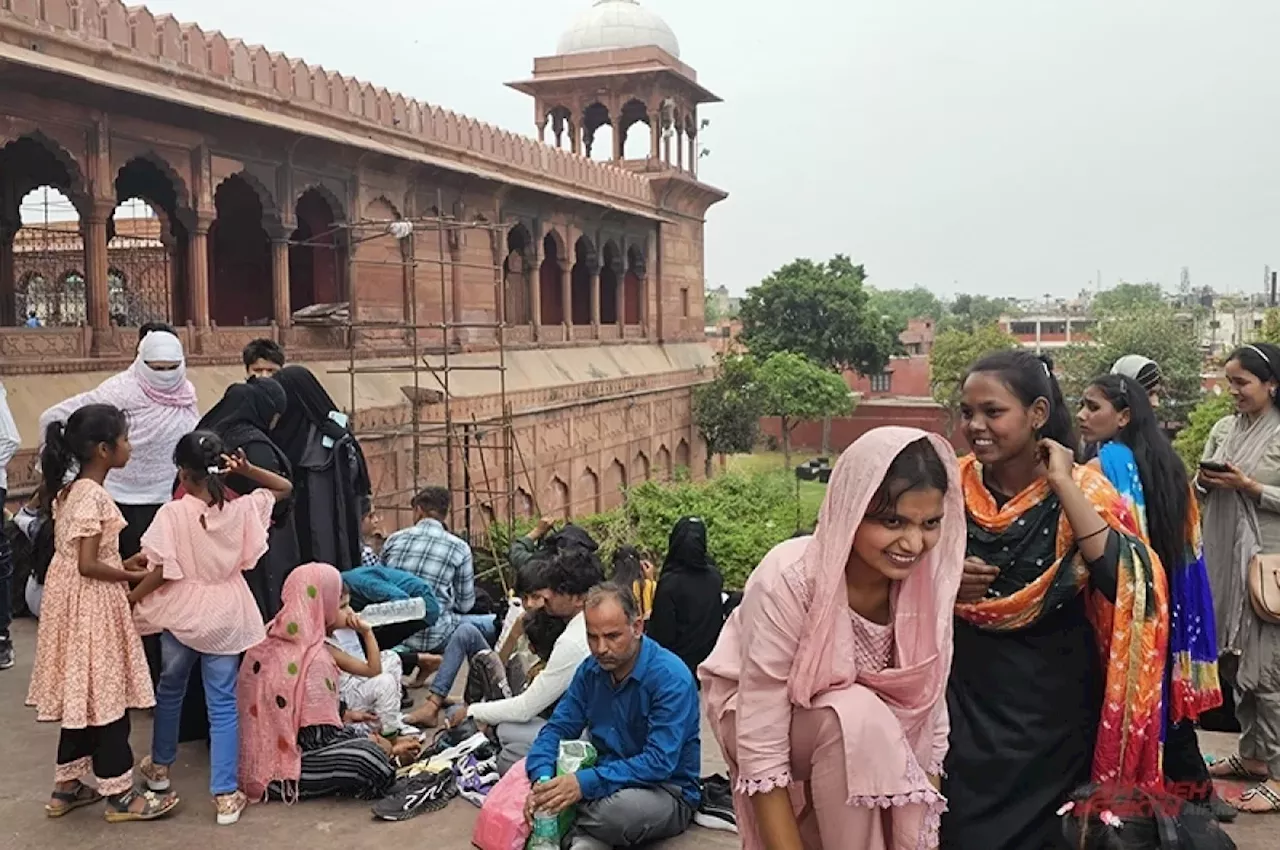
(1132,633)
(1193,685)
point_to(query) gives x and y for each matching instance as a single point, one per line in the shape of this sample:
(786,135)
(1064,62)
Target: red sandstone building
(277,186)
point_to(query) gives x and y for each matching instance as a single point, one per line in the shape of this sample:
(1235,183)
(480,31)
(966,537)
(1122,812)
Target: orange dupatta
(1132,633)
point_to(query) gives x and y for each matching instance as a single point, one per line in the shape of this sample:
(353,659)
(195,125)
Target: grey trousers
(630,817)
(516,739)
(1259,716)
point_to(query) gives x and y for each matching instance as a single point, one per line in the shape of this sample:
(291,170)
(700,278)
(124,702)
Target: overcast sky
(997,146)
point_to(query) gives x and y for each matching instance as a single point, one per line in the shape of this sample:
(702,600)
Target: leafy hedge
(747,514)
(1191,439)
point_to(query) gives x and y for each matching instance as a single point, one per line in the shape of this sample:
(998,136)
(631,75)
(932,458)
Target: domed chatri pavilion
(618,65)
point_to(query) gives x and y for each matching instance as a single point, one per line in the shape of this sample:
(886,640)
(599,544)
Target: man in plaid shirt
(430,552)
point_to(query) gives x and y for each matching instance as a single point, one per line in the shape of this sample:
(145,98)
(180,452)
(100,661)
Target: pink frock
(204,552)
(89,666)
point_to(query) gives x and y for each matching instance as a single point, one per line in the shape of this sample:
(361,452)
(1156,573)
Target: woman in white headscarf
(161,406)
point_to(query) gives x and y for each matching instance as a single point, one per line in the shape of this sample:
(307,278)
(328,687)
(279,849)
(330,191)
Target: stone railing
(181,49)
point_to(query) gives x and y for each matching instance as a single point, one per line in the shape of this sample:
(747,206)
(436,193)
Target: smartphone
(1214,466)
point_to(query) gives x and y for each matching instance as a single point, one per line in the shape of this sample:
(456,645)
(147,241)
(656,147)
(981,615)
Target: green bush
(1191,439)
(747,514)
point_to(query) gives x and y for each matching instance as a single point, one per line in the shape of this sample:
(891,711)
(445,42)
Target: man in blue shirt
(640,705)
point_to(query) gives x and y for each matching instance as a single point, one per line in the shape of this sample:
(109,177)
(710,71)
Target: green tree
(903,305)
(1191,439)
(711,310)
(728,409)
(1155,332)
(820,311)
(954,351)
(1128,299)
(1270,327)
(795,389)
(970,313)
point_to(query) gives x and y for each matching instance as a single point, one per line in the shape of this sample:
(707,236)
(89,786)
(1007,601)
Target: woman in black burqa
(688,606)
(331,482)
(243,419)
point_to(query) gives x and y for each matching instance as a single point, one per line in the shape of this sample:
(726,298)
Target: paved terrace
(28,757)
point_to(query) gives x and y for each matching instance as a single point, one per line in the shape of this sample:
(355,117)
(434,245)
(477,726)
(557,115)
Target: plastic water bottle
(399,611)
(546,829)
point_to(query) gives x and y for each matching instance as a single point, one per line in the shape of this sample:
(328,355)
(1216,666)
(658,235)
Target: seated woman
(827,688)
(293,742)
(632,571)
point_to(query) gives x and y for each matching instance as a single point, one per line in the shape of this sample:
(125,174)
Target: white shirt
(10,442)
(569,652)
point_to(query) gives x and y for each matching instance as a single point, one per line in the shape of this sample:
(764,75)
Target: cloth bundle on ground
(371,585)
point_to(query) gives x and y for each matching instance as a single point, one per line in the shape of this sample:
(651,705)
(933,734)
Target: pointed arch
(557,503)
(585,268)
(156,287)
(240,279)
(554,258)
(682,458)
(610,275)
(640,470)
(633,287)
(317,251)
(664,463)
(517,275)
(588,495)
(615,484)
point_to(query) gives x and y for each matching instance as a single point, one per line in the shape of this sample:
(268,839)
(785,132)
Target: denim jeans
(486,623)
(6,577)
(219,674)
(465,642)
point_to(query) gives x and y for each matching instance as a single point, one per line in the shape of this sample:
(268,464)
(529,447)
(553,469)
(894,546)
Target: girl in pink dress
(827,689)
(90,668)
(199,547)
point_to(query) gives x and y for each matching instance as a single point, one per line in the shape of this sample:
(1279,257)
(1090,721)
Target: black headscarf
(309,406)
(687,548)
(244,415)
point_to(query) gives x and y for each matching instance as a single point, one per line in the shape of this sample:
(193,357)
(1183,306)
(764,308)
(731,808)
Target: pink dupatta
(288,682)
(798,593)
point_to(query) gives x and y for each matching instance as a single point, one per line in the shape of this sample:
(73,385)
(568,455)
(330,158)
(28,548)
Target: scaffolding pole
(477,504)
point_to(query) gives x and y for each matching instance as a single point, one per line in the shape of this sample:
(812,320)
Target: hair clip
(216,470)
(1066,807)
(1112,820)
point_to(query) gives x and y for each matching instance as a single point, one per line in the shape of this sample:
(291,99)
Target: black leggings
(107,746)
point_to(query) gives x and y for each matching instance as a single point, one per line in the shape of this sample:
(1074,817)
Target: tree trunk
(706,465)
(786,445)
(826,436)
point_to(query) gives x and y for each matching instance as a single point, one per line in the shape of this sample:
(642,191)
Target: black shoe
(447,739)
(716,811)
(426,792)
(406,699)
(6,652)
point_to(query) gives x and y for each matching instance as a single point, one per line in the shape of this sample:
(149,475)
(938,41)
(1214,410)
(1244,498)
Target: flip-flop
(1271,798)
(69,801)
(1237,768)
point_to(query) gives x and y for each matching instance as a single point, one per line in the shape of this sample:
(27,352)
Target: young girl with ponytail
(90,668)
(199,547)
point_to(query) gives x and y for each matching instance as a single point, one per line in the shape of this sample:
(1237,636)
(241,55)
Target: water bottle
(546,829)
(399,611)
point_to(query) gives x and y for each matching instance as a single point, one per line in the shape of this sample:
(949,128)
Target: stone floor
(27,762)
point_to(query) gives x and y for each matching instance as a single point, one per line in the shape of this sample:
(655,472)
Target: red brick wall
(910,379)
(845,430)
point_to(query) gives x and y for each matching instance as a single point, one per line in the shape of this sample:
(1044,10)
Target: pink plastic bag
(501,825)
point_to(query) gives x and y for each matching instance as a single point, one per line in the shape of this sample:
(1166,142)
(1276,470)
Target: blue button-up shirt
(443,561)
(645,730)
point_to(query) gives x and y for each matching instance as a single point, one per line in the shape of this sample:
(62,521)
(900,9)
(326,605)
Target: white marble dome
(616,25)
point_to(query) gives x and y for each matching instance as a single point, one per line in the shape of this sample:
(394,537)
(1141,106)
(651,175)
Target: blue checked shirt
(443,561)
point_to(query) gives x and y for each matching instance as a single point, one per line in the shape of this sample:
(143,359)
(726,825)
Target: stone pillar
(679,147)
(693,154)
(566,297)
(618,140)
(575,137)
(620,279)
(535,288)
(8,274)
(198,273)
(655,136)
(280,292)
(595,301)
(98,307)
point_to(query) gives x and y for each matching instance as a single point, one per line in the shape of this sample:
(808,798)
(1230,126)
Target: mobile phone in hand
(1214,466)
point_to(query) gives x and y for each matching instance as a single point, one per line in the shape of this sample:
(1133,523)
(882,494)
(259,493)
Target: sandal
(118,810)
(1236,769)
(1270,799)
(69,801)
(230,807)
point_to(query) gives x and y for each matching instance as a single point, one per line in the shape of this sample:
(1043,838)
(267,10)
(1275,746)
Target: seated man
(639,704)
(560,590)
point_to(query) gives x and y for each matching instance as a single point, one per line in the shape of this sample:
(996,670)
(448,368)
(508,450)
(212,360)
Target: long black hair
(1262,360)
(73,444)
(1164,478)
(627,570)
(917,467)
(199,454)
(1029,377)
